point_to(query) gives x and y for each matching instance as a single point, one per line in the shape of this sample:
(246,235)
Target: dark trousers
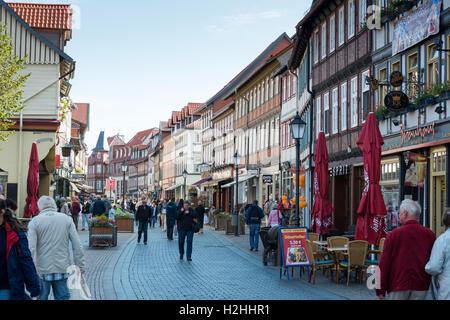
(75,221)
(170,225)
(182,235)
(143,227)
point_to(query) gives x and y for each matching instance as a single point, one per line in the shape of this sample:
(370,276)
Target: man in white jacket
(49,235)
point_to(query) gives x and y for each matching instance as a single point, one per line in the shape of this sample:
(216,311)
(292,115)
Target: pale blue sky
(138,60)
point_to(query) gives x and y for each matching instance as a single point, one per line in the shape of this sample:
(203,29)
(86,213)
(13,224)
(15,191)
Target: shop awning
(174,187)
(74,187)
(198,183)
(241,179)
(210,183)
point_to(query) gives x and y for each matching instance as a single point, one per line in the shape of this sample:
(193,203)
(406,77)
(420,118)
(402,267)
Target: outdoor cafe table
(321,243)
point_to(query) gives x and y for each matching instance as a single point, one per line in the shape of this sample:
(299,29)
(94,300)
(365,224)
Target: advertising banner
(416,170)
(417,25)
(293,247)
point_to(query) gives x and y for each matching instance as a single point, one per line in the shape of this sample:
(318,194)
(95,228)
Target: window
(351,18)
(267,91)
(354,102)
(99,168)
(318,116)
(271,88)
(334,114)
(341,26)
(332,33)
(395,67)
(284,88)
(448,58)
(364,96)
(382,77)
(288,84)
(316,47)
(362,12)
(344,107)
(277,80)
(432,65)
(324,40)
(412,67)
(326,113)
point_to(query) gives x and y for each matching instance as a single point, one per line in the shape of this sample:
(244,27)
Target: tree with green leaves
(11,84)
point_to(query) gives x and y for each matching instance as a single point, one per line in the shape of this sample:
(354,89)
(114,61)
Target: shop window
(432,65)
(412,74)
(382,77)
(439,162)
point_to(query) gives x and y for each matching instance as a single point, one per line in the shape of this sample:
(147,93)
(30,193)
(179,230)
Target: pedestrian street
(223,268)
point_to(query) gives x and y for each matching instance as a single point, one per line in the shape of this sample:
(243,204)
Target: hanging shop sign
(267,179)
(396,79)
(396,100)
(416,170)
(416,25)
(293,247)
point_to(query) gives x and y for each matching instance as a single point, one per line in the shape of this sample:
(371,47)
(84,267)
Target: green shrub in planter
(124,215)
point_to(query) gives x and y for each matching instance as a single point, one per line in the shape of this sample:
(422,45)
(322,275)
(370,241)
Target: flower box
(220,222)
(102,236)
(429,100)
(444,95)
(229,229)
(125,225)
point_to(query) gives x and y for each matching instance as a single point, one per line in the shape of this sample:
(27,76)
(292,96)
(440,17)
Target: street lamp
(298,127)
(237,162)
(185,174)
(124,170)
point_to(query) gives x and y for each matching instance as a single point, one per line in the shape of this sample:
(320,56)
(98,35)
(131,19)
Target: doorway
(439,204)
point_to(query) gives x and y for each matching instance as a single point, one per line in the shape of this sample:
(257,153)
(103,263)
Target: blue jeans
(85,218)
(5,295)
(181,237)
(60,290)
(254,235)
(143,227)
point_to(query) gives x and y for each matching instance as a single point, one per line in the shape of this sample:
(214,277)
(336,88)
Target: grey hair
(412,207)
(46,202)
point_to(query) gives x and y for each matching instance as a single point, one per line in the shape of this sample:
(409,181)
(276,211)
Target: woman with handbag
(16,264)
(187,225)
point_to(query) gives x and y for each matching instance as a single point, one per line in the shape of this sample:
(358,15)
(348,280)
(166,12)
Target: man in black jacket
(99,207)
(143,216)
(171,213)
(186,217)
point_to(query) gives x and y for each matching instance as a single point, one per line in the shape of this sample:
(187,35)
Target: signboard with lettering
(267,179)
(416,25)
(294,250)
(396,79)
(396,100)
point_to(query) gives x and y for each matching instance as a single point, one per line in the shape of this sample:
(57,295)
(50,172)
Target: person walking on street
(406,251)
(163,215)
(253,218)
(143,217)
(155,214)
(107,204)
(275,218)
(439,264)
(65,207)
(86,215)
(133,207)
(200,212)
(186,217)
(17,268)
(50,234)
(76,209)
(171,218)
(99,207)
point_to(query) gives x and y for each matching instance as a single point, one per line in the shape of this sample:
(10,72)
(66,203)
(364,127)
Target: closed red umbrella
(31,208)
(322,209)
(370,225)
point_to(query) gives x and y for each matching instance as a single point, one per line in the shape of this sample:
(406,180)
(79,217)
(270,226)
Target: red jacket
(406,252)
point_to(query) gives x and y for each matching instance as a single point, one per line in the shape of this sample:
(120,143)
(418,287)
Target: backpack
(254,215)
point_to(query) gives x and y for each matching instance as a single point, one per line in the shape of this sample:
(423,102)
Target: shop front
(224,196)
(415,166)
(270,181)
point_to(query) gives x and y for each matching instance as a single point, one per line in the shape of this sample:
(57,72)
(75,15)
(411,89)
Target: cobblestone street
(222,268)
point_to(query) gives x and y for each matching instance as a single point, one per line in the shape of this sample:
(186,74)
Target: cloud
(241,19)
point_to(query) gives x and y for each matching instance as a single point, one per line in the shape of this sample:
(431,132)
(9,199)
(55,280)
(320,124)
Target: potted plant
(124,221)
(220,221)
(229,229)
(102,230)
(381,113)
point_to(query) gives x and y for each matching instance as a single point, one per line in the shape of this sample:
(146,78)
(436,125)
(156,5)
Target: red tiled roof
(81,113)
(140,137)
(74,133)
(193,106)
(45,16)
(220,104)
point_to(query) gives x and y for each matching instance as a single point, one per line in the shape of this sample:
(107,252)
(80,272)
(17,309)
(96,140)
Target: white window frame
(364,88)
(326,107)
(344,106)
(334,113)
(354,102)
(316,46)
(318,116)
(324,41)
(351,18)
(362,12)
(332,33)
(341,26)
